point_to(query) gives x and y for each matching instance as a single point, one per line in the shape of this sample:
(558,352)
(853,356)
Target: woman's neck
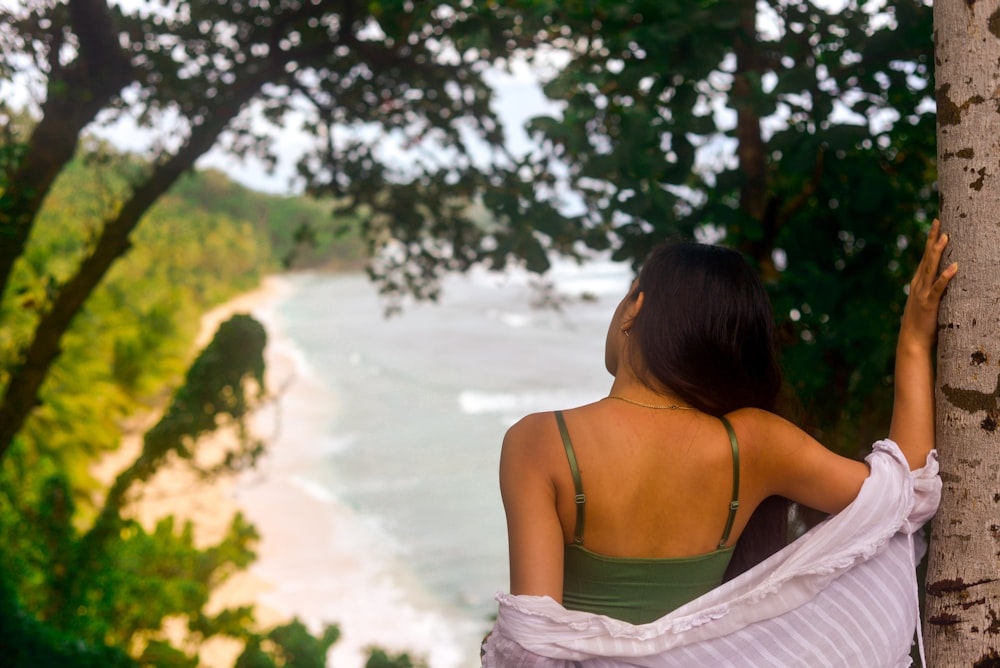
(630,387)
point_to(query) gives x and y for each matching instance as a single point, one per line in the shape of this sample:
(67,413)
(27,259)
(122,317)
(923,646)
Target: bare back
(658,482)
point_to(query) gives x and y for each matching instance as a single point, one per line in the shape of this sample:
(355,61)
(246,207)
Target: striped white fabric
(844,594)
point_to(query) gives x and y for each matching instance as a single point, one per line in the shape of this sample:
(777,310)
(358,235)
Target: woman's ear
(632,309)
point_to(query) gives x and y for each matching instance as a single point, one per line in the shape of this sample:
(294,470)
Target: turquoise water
(399,422)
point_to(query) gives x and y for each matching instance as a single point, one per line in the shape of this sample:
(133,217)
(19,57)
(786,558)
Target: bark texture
(962,619)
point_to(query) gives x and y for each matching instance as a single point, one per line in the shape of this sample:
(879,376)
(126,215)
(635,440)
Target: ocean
(378,501)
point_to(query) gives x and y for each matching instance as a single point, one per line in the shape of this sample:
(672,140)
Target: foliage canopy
(801,134)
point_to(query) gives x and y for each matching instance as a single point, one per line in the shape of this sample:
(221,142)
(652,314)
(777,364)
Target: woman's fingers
(936,242)
(920,316)
(941,282)
(927,282)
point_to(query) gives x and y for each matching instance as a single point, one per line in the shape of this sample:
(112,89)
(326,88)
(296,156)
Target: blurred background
(276,276)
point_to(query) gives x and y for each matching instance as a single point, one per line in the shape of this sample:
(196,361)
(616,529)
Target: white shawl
(844,594)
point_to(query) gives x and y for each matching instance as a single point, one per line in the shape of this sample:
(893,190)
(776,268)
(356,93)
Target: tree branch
(74,97)
(22,392)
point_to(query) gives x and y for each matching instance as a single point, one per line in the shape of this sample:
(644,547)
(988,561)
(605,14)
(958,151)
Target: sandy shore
(210,506)
(317,559)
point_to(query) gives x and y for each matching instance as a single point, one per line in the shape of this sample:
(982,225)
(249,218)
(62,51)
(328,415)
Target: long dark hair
(706,333)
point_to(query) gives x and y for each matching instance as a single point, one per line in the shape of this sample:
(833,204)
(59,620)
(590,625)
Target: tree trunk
(75,95)
(751,150)
(963,579)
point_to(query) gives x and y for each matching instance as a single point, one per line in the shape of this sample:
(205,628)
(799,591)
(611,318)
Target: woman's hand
(912,425)
(920,316)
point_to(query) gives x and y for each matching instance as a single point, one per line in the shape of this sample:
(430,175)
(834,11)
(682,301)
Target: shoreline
(324,561)
(209,505)
(317,559)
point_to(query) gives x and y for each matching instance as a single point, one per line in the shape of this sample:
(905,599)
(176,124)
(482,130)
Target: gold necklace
(671,407)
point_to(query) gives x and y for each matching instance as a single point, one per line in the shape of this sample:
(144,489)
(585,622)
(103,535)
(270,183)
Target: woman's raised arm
(912,426)
(789,462)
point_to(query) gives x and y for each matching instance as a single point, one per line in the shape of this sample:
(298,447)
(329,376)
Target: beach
(316,561)
(377,502)
(209,505)
(319,559)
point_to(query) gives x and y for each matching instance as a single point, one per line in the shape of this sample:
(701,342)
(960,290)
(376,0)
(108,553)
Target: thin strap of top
(734,503)
(581,499)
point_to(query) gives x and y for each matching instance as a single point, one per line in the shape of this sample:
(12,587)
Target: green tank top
(638,590)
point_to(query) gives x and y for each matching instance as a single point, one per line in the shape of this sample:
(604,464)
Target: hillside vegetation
(82,583)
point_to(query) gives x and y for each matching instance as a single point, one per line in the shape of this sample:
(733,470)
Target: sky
(518,97)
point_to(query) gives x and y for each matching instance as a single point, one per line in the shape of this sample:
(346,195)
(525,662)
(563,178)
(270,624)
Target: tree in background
(963,576)
(801,134)
(199,73)
(114,582)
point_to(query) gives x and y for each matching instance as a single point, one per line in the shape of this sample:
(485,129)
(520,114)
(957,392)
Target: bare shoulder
(751,418)
(764,437)
(760,430)
(531,425)
(785,460)
(769,434)
(528,447)
(529,435)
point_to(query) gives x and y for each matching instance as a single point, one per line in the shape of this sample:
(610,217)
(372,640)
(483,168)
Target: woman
(630,507)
